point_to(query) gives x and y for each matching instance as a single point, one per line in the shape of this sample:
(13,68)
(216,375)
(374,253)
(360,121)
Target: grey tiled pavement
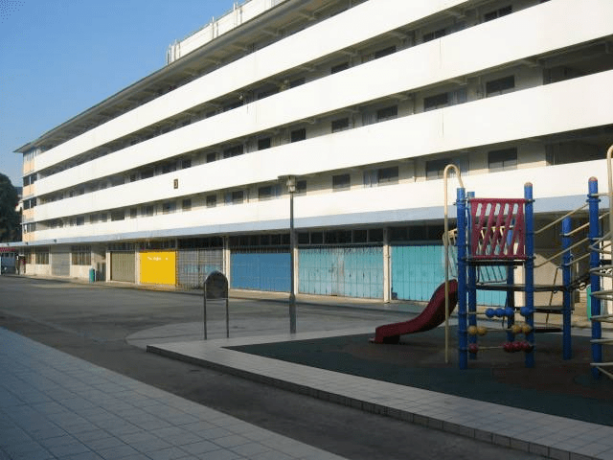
(542,434)
(56,406)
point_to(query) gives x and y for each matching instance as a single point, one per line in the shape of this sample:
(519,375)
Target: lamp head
(290,182)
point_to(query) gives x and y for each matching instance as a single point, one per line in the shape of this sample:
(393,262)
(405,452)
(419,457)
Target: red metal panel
(498,229)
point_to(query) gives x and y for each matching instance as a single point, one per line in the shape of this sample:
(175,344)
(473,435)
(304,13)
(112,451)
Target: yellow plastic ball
(526,329)
(516,329)
(472,330)
(481,330)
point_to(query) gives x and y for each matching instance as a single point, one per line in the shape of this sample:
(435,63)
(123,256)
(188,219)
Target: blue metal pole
(593,235)
(471,285)
(566,277)
(529,269)
(462,230)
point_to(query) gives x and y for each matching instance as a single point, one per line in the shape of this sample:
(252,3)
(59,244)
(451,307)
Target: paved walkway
(547,435)
(55,406)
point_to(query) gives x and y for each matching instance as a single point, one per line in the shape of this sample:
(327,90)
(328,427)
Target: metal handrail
(568,214)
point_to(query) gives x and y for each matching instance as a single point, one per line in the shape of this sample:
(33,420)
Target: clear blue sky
(60,57)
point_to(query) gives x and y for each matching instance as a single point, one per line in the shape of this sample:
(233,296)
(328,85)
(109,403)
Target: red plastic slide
(432,316)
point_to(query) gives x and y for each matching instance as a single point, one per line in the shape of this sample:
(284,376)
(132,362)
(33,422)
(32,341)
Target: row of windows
(498,160)
(81,255)
(336,237)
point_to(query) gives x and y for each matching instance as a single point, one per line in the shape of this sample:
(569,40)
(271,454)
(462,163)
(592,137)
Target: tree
(10,220)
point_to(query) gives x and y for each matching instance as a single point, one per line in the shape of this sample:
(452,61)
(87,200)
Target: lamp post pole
(292,247)
(290,182)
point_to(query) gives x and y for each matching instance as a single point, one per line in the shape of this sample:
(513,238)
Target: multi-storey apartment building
(365,102)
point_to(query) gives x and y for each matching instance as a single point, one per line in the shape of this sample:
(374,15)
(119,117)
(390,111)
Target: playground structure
(492,238)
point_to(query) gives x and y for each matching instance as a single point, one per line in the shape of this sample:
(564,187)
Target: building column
(387,279)
(226,258)
(296,271)
(109,265)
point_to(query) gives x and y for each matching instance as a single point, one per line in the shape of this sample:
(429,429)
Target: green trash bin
(92,275)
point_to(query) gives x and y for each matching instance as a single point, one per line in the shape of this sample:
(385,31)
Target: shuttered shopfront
(260,271)
(60,263)
(193,264)
(158,267)
(342,271)
(417,270)
(123,266)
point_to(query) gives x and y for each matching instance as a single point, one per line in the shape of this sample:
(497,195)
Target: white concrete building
(365,102)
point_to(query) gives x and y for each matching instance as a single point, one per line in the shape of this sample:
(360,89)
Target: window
(374,177)
(236,197)
(233,151)
(433,35)
(385,52)
(80,220)
(296,82)
(301,187)
(210,157)
(499,86)
(93,218)
(387,113)
(498,13)
(211,201)
(502,160)
(169,207)
(266,93)
(435,102)
(81,255)
(298,135)
(186,163)
(232,105)
(339,67)
(341,182)
(268,192)
(146,173)
(42,257)
(436,168)
(186,204)
(133,213)
(264,143)
(340,125)
(118,215)
(147,210)
(388,175)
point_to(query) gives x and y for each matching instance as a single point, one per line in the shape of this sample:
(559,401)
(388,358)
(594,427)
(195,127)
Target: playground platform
(555,409)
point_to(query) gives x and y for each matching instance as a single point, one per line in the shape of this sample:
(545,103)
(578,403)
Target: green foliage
(10,219)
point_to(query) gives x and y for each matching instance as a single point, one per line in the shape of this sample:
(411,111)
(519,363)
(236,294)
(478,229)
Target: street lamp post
(290,182)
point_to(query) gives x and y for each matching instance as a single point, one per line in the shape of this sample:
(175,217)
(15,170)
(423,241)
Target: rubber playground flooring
(554,386)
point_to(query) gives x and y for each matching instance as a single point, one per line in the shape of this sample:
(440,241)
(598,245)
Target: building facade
(365,102)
